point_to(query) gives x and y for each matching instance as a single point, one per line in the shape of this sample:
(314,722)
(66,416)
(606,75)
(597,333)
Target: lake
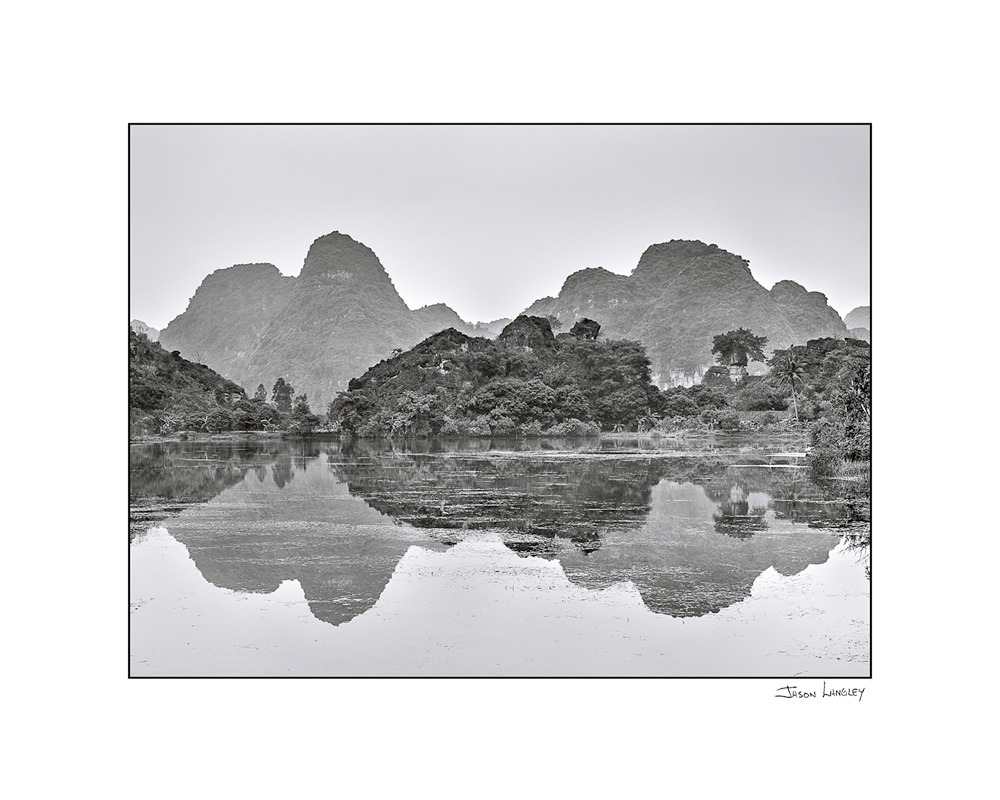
(494,558)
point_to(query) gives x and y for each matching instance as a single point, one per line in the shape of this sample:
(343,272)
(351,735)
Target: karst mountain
(682,294)
(342,314)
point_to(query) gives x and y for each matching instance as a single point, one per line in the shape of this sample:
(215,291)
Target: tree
(585,329)
(220,419)
(735,348)
(412,410)
(282,396)
(554,322)
(789,370)
(301,407)
(261,394)
(350,410)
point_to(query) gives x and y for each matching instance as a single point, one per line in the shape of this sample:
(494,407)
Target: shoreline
(604,436)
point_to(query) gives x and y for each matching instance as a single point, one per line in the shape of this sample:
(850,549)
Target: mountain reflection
(690,531)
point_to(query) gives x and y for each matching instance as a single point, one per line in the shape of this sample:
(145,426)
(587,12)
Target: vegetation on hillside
(526,382)
(169,394)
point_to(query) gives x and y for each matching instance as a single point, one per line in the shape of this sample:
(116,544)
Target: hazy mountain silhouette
(342,314)
(859,323)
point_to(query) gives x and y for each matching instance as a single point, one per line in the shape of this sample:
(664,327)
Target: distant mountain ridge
(859,323)
(342,314)
(860,317)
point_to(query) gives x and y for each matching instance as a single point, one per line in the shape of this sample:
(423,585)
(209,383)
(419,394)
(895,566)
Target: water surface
(686,530)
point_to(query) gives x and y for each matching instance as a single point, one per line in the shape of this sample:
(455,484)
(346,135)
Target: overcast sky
(489,218)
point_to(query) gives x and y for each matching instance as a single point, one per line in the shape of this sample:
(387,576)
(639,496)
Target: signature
(795,693)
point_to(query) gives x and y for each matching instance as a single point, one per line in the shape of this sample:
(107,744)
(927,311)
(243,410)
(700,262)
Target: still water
(539,557)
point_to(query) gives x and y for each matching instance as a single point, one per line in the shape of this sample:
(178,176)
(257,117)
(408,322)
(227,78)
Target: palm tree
(788,371)
(651,419)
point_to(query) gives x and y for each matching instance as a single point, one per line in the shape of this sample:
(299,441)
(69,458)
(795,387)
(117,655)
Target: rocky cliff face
(224,320)
(318,330)
(808,311)
(683,293)
(344,315)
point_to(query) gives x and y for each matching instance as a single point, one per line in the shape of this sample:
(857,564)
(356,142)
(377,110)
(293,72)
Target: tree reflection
(736,516)
(282,471)
(167,477)
(860,543)
(546,497)
(739,520)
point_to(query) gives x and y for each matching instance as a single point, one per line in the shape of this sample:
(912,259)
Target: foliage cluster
(830,381)
(807,379)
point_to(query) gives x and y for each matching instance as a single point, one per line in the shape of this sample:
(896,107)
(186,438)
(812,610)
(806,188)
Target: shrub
(574,427)
(728,420)
(501,425)
(480,426)
(532,428)
(220,420)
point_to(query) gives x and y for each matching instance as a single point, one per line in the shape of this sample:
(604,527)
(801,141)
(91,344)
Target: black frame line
(871,616)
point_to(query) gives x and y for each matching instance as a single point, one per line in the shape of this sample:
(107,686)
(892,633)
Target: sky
(490,218)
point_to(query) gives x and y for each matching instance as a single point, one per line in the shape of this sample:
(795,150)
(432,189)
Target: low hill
(163,386)
(526,382)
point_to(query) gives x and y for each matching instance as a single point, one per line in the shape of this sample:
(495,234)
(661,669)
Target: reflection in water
(737,517)
(533,499)
(860,543)
(166,478)
(691,532)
